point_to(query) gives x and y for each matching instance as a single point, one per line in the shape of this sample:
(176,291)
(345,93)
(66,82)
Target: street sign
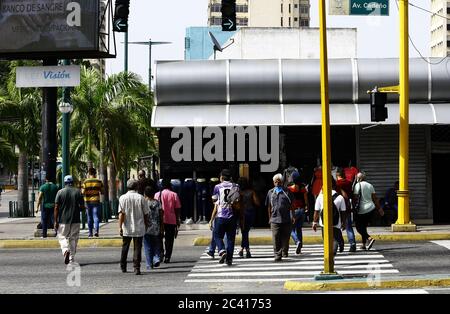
(120,25)
(359,7)
(228,25)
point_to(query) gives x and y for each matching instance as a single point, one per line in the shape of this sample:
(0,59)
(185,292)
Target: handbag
(357,203)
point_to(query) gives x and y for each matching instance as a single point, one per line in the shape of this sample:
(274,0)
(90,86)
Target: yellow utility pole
(403,222)
(328,272)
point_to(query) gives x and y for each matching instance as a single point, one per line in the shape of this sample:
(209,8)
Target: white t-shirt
(134,206)
(367,204)
(339,202)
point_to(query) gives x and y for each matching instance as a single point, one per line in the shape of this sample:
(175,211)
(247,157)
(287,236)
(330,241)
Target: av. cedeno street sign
(359,7)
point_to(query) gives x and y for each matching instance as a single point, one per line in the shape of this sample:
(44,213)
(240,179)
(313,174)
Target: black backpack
(336,213)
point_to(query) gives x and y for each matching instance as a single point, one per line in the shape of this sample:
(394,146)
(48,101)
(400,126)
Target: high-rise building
(440,28)
(264,13)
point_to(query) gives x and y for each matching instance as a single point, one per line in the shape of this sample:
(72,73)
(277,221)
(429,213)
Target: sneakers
(285,255)
(298,250)
(352,248)
(90,236)
(223,256)
(341,249)
(156,264)
(229,263)
(277,259)
(371,242)
(189,221)
(247,254)
(210,254)
(167,260)
(241,253)
(96,234)
(137,271)
(363,248)
(66,257)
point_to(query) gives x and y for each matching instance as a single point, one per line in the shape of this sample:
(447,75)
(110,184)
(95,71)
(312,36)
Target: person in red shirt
(344,188)
(300,204)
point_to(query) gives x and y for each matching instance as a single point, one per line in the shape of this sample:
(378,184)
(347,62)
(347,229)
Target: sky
(163,20)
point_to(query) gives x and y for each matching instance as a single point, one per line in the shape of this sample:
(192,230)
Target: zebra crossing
(261,267)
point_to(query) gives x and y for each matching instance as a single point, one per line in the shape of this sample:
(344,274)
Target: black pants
(281,234)
(361,222)
(46,220)
(169,238)
(338,239)
(137,252)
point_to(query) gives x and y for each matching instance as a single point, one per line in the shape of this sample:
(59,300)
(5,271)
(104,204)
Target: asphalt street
(43,270)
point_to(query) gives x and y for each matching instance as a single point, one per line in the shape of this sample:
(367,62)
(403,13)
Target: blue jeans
(93,209)
(46,219)
(152,249)
(248,224)
(350,232)
(222,227)
(297,233)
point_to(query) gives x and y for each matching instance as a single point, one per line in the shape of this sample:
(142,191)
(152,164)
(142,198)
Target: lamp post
(66,109)
(150,43)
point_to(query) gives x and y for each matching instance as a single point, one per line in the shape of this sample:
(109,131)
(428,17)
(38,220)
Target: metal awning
(290,115)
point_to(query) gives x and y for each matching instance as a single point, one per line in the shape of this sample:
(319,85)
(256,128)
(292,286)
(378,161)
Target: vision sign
(48,76)
(359,7)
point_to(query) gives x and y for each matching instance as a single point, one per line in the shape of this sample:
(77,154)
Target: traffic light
(121,11)
(378,111)
(228,15)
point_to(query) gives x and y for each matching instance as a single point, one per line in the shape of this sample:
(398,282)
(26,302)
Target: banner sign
(48,76)
(33,26)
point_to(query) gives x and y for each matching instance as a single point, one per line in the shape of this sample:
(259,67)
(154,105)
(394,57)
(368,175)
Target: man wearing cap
(69,203)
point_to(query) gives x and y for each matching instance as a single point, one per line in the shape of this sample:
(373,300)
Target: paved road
(43,271)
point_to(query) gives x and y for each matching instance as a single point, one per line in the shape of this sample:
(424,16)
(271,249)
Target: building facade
(264,13)
(439,28)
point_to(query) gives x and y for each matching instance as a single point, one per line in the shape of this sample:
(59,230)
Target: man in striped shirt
(92,188)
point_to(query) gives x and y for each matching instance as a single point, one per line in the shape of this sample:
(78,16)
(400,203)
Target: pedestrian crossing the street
(261,267)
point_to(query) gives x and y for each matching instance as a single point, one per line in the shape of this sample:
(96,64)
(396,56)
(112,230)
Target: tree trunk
(112,182)
(22,184)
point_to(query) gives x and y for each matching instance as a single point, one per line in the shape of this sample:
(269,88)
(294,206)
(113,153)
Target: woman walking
(249,203)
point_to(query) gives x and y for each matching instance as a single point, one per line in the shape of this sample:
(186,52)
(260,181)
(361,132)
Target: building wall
(303,43)
(198,44)
(215,16)
(439,32)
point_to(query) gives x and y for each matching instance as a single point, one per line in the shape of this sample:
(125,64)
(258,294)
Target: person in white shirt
(339,202)
(133,221)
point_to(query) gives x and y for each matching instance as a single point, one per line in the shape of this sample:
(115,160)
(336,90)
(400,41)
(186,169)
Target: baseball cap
(68,179)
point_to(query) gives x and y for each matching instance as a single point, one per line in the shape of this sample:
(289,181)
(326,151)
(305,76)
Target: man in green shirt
(46,202)
(69,203)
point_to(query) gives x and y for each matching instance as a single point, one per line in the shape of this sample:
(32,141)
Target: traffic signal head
(378,111)
(121,11)
(228,15)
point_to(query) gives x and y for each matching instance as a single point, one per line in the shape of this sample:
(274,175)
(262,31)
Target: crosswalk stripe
(348,263)
(444,243)
(290,267)
(287,273)
(208,259)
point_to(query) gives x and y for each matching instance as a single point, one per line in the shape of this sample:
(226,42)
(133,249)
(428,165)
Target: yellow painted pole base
(328,276)
(404,227)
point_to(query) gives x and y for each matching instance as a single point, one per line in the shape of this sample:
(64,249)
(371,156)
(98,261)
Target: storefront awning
(290,115)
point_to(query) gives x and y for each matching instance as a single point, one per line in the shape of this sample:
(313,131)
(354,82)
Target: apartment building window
(242,21)
(242,8)
(448,27)
(448,10)
(304,23)
(304,9)
(448,43)
(216,7)
(281,9)
(216,21)
(289,8)
(295,19)
(296,6)
(281,21)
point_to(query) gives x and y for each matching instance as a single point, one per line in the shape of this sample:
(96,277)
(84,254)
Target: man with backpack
(339,207)
(226,216)
(344,188)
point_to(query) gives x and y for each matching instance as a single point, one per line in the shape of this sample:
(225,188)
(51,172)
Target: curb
(267,240)
(357,285)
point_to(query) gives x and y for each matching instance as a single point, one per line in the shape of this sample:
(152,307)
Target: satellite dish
(217,46)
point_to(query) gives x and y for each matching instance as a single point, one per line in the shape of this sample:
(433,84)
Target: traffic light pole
(328,238)
(125,170)
(403,222)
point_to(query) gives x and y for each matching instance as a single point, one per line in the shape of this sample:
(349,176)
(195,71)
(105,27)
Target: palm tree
(21,129)
(107,123)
